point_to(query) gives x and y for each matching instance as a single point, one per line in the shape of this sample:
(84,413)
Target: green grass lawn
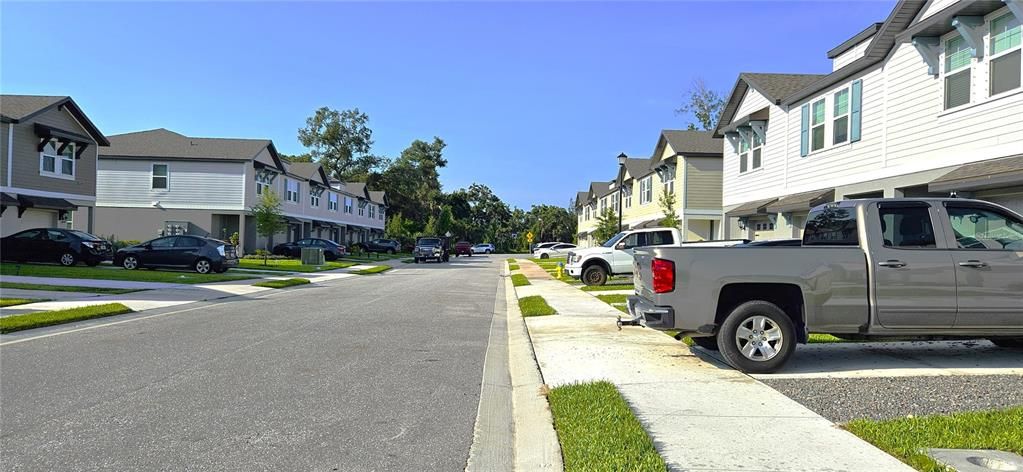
(513,267)
(282,283)
(598,431)
(373,270)
(101,273)
(904,438)
(67,288)
(292,265)
(4,302)
(511,259)
(48,318)
(601,288)
(535,306)
(613,298)
(519,280)
(375,257)
(685,339)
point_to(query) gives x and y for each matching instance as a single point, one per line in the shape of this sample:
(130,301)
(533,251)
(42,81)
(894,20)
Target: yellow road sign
(529,236)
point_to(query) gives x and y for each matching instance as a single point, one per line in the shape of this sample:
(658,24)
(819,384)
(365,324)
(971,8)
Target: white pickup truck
(595,264)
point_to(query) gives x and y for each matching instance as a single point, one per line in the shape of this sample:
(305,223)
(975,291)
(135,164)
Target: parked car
(873,268)
(463,248)
(331,250)
(203,255)
(484,248)
(537,246)
(65,246)
(594,265)
(556,250)
(389,246)
(431,248)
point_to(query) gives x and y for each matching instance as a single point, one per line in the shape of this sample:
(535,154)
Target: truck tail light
(663,275)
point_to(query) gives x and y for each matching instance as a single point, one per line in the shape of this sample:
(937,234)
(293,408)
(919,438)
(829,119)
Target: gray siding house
(48,150)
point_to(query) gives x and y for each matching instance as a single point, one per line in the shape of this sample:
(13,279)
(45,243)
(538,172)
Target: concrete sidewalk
(701,415)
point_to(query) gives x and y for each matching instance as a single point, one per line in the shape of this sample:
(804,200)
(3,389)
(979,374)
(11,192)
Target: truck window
(831,226)
(635,240)
(659,238)
(981,228)
(907,226)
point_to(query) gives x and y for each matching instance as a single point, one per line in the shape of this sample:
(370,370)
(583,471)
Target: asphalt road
(370,373)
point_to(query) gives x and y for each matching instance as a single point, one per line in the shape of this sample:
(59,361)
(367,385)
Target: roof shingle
(164,143)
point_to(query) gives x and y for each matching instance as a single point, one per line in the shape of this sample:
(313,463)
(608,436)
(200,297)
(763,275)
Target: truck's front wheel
(757,337)
(594,275)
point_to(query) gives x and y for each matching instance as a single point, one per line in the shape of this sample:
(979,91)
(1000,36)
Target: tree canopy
(340,141)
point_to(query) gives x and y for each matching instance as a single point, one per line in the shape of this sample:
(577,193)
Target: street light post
(621,178)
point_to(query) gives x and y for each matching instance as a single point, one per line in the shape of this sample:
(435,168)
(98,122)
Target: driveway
(364,373)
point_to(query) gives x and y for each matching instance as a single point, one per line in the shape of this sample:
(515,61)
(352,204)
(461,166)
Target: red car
(463,248)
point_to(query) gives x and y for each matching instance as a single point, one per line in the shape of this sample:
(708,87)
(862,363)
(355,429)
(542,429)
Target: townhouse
(926,103)
(685,163)
(48,149)
(159,182)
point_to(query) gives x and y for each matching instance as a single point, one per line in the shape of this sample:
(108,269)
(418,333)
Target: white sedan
(557,250)
(483,249)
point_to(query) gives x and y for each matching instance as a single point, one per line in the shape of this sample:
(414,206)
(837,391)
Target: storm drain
(977,460)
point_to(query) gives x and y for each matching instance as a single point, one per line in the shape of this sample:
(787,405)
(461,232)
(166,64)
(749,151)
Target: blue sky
(534,99)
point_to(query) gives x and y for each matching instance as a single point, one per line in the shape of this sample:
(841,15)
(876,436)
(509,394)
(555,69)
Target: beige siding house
(48,150)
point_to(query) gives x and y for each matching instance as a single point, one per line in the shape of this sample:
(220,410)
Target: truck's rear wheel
(1014,343)
(709,343)
(757,337)
(594,275)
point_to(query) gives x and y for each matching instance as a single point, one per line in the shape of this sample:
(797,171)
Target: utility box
(312,256)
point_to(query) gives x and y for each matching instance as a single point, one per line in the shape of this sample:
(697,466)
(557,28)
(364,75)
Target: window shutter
(855,111)
(804,130)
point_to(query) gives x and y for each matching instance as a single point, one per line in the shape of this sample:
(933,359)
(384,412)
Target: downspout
(10,152)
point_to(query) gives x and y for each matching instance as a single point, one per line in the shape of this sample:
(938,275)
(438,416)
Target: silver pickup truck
(866,268)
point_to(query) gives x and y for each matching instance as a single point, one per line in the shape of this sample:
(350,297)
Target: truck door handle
(892,263)
(974,264)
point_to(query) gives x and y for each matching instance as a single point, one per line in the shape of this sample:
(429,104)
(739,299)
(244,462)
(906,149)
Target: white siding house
(896,117)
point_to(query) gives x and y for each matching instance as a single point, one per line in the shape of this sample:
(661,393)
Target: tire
(1009,343)
(68,259)
(330,256)
(709,343)
(130,263)
(488,251)
(92,262)
(594,275)
(415,259)
(390,251)
(545,256)
(752,320)
(203,266)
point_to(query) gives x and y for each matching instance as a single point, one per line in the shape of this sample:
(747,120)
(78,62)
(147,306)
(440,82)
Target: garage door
(1014,202)
(30,219)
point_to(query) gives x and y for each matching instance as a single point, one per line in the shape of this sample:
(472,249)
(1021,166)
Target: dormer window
(957,72)
(57,160)
(1006,48)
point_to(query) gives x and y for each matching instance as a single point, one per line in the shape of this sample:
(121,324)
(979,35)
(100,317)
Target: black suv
(66,246)
(431,248)
(203,255)
(331,250)
(389,246)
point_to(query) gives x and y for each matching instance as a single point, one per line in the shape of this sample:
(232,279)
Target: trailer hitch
(637,321)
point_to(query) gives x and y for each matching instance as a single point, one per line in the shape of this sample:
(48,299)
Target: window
(163,243)
(314,197)
(840,121)
(627,197)
(833,225)
(1005,54)
(55,235)
(756,151)
(646,190)
(160,177)
(668,178)
(659,238)
(362,208)
(30,234)
(817,125)
(907,226)
(603,205)
(957,72)
(380,213)
(372,211)
(185,241)
(587,213)
(763,227)
(332,201)
(614,202)
(291,190)
(56,162)
(981,228)
(743,152)
(348,205)
(263,181)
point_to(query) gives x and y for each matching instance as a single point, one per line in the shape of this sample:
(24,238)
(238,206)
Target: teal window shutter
(855,112)
(804,131)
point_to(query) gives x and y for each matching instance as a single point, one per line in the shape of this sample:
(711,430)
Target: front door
(915,279)
(988,257)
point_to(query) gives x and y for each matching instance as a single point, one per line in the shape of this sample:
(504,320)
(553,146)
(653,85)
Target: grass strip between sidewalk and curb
(49,318)
(5,302)
(606,288)
(535,305)
(69,288)
(282,283)
(598,431)
(612,299)
(115,273)
(906,438)
(373,270)
(292,265)
(519,280)
(513,267)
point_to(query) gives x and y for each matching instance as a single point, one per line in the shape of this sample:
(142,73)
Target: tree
(607,225)
(340,141)
(668,201)
(412,181)
(297,157)
(444,222)
(703,104)
(269,217)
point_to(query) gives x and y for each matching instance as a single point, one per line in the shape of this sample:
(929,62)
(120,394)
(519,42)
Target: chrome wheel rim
(202,267)
(130,263)
(67,259)
(759,338)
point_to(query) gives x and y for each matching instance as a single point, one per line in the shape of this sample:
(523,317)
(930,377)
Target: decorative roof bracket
(928,47)
(733,138)
(760,128)
(1016,7)
(969,28)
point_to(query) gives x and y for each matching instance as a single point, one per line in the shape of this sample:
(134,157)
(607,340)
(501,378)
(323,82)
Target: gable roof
(853,41)
(166,144)
(600,189)
(692,141)
(309,171)
(18,108)
(774,87)
(638,166)
(378,196)
(581,198)
(355,188)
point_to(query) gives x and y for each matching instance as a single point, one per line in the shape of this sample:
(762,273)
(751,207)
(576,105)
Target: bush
(265,256)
